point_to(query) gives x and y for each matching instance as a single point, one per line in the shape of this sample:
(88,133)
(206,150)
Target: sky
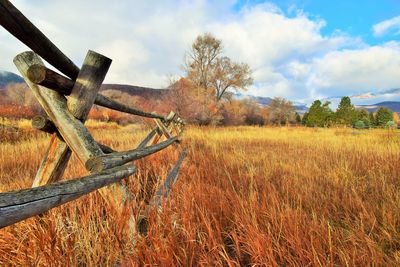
(297,49)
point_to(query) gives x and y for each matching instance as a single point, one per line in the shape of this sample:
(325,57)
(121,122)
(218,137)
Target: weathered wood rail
(67,101)
(22,204)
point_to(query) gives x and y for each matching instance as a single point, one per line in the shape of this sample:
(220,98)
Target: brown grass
(245,196)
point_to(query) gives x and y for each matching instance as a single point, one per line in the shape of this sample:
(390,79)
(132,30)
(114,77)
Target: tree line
(320,115)
(205,95)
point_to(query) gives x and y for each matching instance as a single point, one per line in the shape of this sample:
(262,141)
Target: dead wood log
(19,205)
(165,188)
(162,192)
(100,163)
(19,26)
(79,103)
(156,130)
(147,139)
(71,129)
(56,158)
(107,102)
(106,149)
(54,162)
(87,85)
(163,129)
(50,79)
(169,119)
(43,124)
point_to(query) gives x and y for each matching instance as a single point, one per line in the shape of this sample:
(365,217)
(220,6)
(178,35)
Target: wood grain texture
(87,85)
(104,162)
(42,123)
(19,205)
(70,128)
(50,79)
(54,162)
(55,105)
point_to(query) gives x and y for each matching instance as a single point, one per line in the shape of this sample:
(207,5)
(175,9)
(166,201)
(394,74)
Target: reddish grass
(245,196)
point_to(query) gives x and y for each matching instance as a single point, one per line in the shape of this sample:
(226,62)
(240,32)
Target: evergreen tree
(364,116)
(345,113)
(298,118)
(304,119)
(371,119)
(319,114)
(383,115)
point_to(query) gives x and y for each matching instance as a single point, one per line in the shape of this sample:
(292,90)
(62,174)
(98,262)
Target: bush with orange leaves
(195,105)
(108,115)
(17,112)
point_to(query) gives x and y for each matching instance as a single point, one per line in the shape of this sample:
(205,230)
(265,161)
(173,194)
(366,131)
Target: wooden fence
(67,101)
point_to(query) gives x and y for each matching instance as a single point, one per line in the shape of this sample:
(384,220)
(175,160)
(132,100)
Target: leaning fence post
(87,85)
(66,117)
(54,162)
(71,129)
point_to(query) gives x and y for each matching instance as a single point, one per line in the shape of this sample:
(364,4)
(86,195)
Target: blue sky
(297,49)
(352,17)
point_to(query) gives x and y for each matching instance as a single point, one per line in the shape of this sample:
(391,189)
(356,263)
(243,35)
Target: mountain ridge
(7,77)
(392,105)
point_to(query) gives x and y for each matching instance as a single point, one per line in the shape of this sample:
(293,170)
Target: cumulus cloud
(289,55)
(386,26)
(357,70)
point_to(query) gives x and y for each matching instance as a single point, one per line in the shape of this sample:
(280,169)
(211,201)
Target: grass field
(245,195)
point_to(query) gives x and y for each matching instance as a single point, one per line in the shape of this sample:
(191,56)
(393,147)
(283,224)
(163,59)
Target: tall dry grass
(245,196)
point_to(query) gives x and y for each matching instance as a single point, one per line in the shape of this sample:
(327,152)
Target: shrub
(359,125)
(391,124)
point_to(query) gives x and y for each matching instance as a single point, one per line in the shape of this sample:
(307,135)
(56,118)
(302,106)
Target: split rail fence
(67,101)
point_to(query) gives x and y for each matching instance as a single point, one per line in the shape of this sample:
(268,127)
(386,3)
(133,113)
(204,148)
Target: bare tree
(281,111)
(229,75)
(207,69)
(200,60)
(180,96)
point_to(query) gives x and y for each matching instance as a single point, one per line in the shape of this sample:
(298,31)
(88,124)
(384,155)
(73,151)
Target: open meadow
(244,196)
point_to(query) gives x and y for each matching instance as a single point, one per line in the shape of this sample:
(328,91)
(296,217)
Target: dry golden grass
(245,196)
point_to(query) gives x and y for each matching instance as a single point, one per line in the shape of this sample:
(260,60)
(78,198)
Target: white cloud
(357,70)
(386,26)
(290,57)
(298,70)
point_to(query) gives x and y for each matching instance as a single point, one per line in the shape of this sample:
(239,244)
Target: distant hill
(7,77)
(392,105)
(264,101)
(145,92)
(385,93)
